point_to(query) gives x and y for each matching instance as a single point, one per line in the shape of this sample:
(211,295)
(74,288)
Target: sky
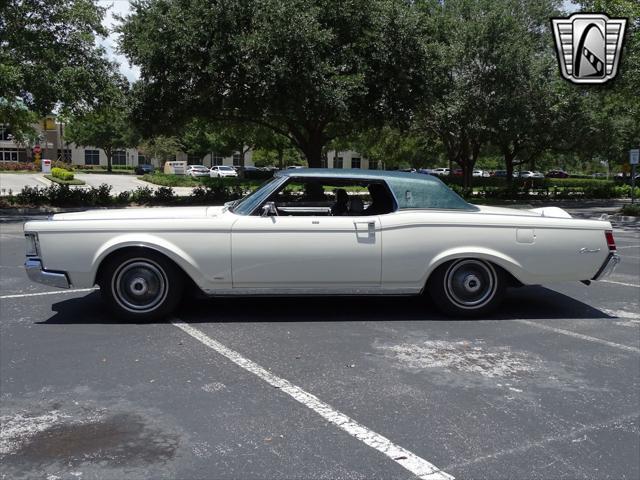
(118,7)
(122,7)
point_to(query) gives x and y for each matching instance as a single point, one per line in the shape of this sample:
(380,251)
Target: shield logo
(588,46)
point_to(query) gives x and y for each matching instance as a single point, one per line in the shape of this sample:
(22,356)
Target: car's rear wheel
(141,285)
(466,287)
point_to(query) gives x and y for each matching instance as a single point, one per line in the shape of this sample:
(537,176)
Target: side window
(335,197)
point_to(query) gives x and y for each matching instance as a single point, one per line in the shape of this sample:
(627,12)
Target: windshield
(250,202)
(225,168)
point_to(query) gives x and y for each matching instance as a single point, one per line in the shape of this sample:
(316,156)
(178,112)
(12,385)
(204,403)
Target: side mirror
(269,209)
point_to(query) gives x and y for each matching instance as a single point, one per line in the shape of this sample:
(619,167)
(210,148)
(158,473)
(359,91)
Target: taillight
(611,243)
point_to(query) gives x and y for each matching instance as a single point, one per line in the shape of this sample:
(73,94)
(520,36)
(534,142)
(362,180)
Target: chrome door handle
(370,227)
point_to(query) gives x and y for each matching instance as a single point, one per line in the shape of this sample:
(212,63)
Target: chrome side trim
(608,267)
(35,272)
(311,292)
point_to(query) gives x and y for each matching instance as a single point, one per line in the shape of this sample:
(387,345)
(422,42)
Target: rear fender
(506,262)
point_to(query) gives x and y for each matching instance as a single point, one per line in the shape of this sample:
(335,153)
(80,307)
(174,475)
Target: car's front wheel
(466,287)
(141,285)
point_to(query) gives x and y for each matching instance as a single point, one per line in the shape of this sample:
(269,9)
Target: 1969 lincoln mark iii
(319,232)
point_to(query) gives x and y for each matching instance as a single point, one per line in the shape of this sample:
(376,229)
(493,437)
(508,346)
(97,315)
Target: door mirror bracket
(269,210)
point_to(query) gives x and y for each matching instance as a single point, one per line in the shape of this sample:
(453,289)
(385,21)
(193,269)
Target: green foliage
(167,180)
(105,126)
(17,166)
(395,148)
(631,210)
(307,69)
(62,174)
(49,58)
(162,148)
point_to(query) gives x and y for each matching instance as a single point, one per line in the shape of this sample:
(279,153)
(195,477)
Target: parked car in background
(407,235)
(254,173)
(557,174)
(220,171)
(197,171)
(144,168)
(478,173)
(499,173)
(530,174)
(441,171)
(457,172)
(425,171)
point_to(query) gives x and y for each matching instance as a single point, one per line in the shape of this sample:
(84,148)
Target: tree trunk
(311,146)
(109,153)
(508,163)
(313,152)
(281,158)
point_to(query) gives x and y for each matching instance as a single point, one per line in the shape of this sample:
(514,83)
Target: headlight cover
(33,248)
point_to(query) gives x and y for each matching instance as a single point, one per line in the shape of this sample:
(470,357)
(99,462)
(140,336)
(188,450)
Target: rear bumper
(35,272)
(608,267)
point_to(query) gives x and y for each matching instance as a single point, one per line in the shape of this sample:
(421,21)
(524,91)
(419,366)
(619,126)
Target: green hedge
(219,191)
(62,174)
(64,196)
(543,188)
(631,210)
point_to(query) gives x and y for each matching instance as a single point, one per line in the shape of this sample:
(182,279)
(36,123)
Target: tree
(308,70)
(49,58)
(463,33)
(612,111)
(200,137)
(161,148)
(105,126)
(274,149)
(395,148)
(523,117)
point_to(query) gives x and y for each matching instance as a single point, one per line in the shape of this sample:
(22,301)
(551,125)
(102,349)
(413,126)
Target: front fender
(152,242)
(502,260)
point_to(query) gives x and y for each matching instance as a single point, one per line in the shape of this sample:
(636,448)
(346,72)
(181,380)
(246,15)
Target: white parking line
(56,292)
(581,336)
(416,465)
(620,283)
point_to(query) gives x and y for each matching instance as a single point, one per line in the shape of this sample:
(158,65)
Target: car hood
(142,213)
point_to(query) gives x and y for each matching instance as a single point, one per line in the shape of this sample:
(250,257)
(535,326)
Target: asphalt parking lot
(340,388)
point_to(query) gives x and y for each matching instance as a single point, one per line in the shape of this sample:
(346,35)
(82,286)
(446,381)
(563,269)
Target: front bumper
(35,272)
(608,267)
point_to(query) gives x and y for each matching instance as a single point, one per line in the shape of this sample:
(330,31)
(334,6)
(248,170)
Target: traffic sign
(634,156)
(37,149)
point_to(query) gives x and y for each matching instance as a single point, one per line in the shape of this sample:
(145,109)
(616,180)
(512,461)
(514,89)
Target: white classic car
(319,232)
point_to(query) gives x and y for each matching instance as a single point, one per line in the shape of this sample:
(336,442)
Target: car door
(307,253)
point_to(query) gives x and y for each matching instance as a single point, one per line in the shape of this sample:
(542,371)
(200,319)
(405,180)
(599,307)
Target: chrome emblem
(588,46)
(589,250)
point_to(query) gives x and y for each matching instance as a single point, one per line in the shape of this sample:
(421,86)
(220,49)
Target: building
(55,147)
(350,159)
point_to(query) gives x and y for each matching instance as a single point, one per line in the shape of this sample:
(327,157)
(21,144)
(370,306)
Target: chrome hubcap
(140,285)
(470,284)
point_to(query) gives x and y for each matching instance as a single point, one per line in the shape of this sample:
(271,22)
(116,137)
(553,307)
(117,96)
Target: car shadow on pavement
(532,302)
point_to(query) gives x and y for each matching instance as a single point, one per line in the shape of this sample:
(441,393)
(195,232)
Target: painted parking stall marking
(581,336)
(39,294)
(620,283)
(408,460)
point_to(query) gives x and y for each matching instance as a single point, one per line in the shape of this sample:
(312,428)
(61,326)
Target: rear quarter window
(426,193)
